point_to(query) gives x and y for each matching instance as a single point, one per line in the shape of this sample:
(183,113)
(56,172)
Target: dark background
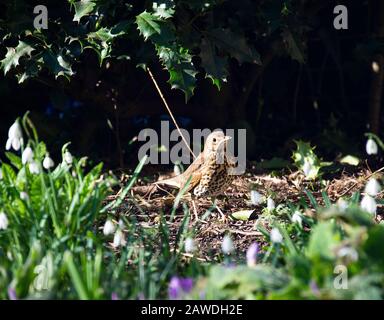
(328,100)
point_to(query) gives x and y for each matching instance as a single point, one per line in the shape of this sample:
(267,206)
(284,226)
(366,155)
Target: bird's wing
(193,170)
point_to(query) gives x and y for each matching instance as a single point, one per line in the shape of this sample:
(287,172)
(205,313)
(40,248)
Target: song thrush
(209,173)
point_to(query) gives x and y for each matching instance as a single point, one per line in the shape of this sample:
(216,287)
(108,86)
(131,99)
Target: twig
(364,179)
(170,112)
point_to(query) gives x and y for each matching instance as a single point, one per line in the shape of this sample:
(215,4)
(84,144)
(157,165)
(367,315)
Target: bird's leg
(224,218)
(195,210)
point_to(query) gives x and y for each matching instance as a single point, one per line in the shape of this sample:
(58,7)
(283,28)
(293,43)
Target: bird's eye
(214,139)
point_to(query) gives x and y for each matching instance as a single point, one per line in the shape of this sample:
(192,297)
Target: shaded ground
(284,187)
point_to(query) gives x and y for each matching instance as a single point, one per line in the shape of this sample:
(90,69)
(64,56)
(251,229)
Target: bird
(209,175)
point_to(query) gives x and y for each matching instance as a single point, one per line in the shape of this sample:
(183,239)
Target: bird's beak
(226,138)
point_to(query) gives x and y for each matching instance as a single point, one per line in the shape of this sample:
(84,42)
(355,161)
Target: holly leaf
(57,65)
(82,8)
(164,8)
(214,65)
(234,44)
(182,76)
(154,28)
(31,70)
(14,54)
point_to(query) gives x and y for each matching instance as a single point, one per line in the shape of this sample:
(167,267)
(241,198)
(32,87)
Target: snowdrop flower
(296,218)
(27,155)
(270,204)
(176,169)
(68,157)
(34,167)
(371,147)
(15,137)
(109,228)
(342,204)
(373,187)
(119,239)
(227,245)
(256,197)
(307,168)
(189,245)
(276,236)
(3,221)
(369,204)
(252,252)
(348,253)
(24,196)
(48,162)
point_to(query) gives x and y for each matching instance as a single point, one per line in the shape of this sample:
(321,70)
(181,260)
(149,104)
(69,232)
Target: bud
(369,204)
(189,245)
(109,228)
(371,147)
(276,236)
(227,245)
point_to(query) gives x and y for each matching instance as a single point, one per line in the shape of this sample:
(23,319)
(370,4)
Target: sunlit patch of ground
(209,229)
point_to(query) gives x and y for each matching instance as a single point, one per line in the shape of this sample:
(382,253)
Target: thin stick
(170,112)
(364,179)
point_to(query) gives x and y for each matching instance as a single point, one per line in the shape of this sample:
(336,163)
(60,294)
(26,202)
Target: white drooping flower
(119,238)
(276,236)
(3,221)
(189,245)
(24,196)
(109,228)
(296,218)
(373,187)
(48,162)
(34,167)
(27,155)
(342,204)
(307,168)
(15,137)
(227,245)
(369,204)
(256,197)
(349,253)
(68,157)
(371,147)
(270,204)
(375,67)
(176,169)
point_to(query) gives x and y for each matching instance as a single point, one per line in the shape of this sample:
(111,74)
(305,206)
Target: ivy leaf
(82,8)
(14,54)
(234,44)
(214,65)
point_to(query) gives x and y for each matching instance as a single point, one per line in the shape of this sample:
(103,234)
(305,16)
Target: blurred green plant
(332,254)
